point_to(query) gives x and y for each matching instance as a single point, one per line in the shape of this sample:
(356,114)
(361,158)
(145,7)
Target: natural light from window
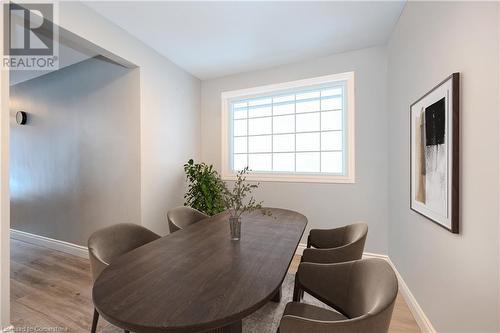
(293,131)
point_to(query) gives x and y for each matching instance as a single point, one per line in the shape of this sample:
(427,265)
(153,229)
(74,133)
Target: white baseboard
(422,320)
(50,243)
(7,329)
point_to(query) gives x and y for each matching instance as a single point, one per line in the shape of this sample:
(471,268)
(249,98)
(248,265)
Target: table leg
(235,327)
(277,297)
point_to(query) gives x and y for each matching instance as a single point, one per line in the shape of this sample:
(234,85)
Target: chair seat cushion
(312,312)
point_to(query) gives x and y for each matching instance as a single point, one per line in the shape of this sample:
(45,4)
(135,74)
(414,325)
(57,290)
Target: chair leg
(298,294)
(297,291)
(94,321)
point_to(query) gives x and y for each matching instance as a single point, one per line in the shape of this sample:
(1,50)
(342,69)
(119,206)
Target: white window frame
(349,112)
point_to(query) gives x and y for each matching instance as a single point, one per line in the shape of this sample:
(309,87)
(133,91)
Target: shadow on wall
(75,165)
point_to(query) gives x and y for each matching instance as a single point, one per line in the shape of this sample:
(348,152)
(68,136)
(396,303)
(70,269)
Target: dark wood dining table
(198,279)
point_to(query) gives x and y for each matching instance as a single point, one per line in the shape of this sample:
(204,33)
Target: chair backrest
(341,236)
(364,291)
(355,232)
(373,289)
(180,217)
(108,243)
(336,245)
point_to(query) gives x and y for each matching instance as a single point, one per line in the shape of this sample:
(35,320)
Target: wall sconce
(21,117)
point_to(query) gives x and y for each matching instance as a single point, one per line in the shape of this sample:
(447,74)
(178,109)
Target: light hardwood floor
(51,289)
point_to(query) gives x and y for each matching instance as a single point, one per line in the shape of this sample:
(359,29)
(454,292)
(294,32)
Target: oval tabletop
(197,279)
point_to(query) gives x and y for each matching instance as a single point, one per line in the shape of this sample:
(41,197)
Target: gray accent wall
(455,278)
(75,167)
(325,205)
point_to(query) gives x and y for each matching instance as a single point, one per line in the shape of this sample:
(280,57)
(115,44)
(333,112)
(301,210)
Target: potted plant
(208,193)
(236,203)
(205,188)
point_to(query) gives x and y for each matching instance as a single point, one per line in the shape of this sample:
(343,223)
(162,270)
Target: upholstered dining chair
(336,245)
(111,242)
(180,217)
(329,246)
(362,294)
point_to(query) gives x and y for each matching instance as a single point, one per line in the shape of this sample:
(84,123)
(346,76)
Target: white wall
(170,111)
(498,108)
(325,205)
(455,278)
(4,192)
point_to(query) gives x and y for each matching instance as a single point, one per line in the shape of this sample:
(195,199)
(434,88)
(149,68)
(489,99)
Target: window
(294,131)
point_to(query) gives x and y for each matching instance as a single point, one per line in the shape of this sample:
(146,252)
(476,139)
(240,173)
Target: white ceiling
(213,39)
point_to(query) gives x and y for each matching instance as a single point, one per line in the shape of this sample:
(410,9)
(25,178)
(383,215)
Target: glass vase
(235,227)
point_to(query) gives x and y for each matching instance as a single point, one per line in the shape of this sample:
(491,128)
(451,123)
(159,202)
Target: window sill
(293,178)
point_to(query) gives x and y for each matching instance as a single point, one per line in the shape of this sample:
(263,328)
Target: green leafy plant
(205,188)
(236,201)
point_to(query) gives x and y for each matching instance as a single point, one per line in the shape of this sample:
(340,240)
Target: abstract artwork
(434,126)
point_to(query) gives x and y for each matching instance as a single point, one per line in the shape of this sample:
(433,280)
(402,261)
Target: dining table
(199,280)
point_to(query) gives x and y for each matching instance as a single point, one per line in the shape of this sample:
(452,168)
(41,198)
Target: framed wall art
(434,154)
